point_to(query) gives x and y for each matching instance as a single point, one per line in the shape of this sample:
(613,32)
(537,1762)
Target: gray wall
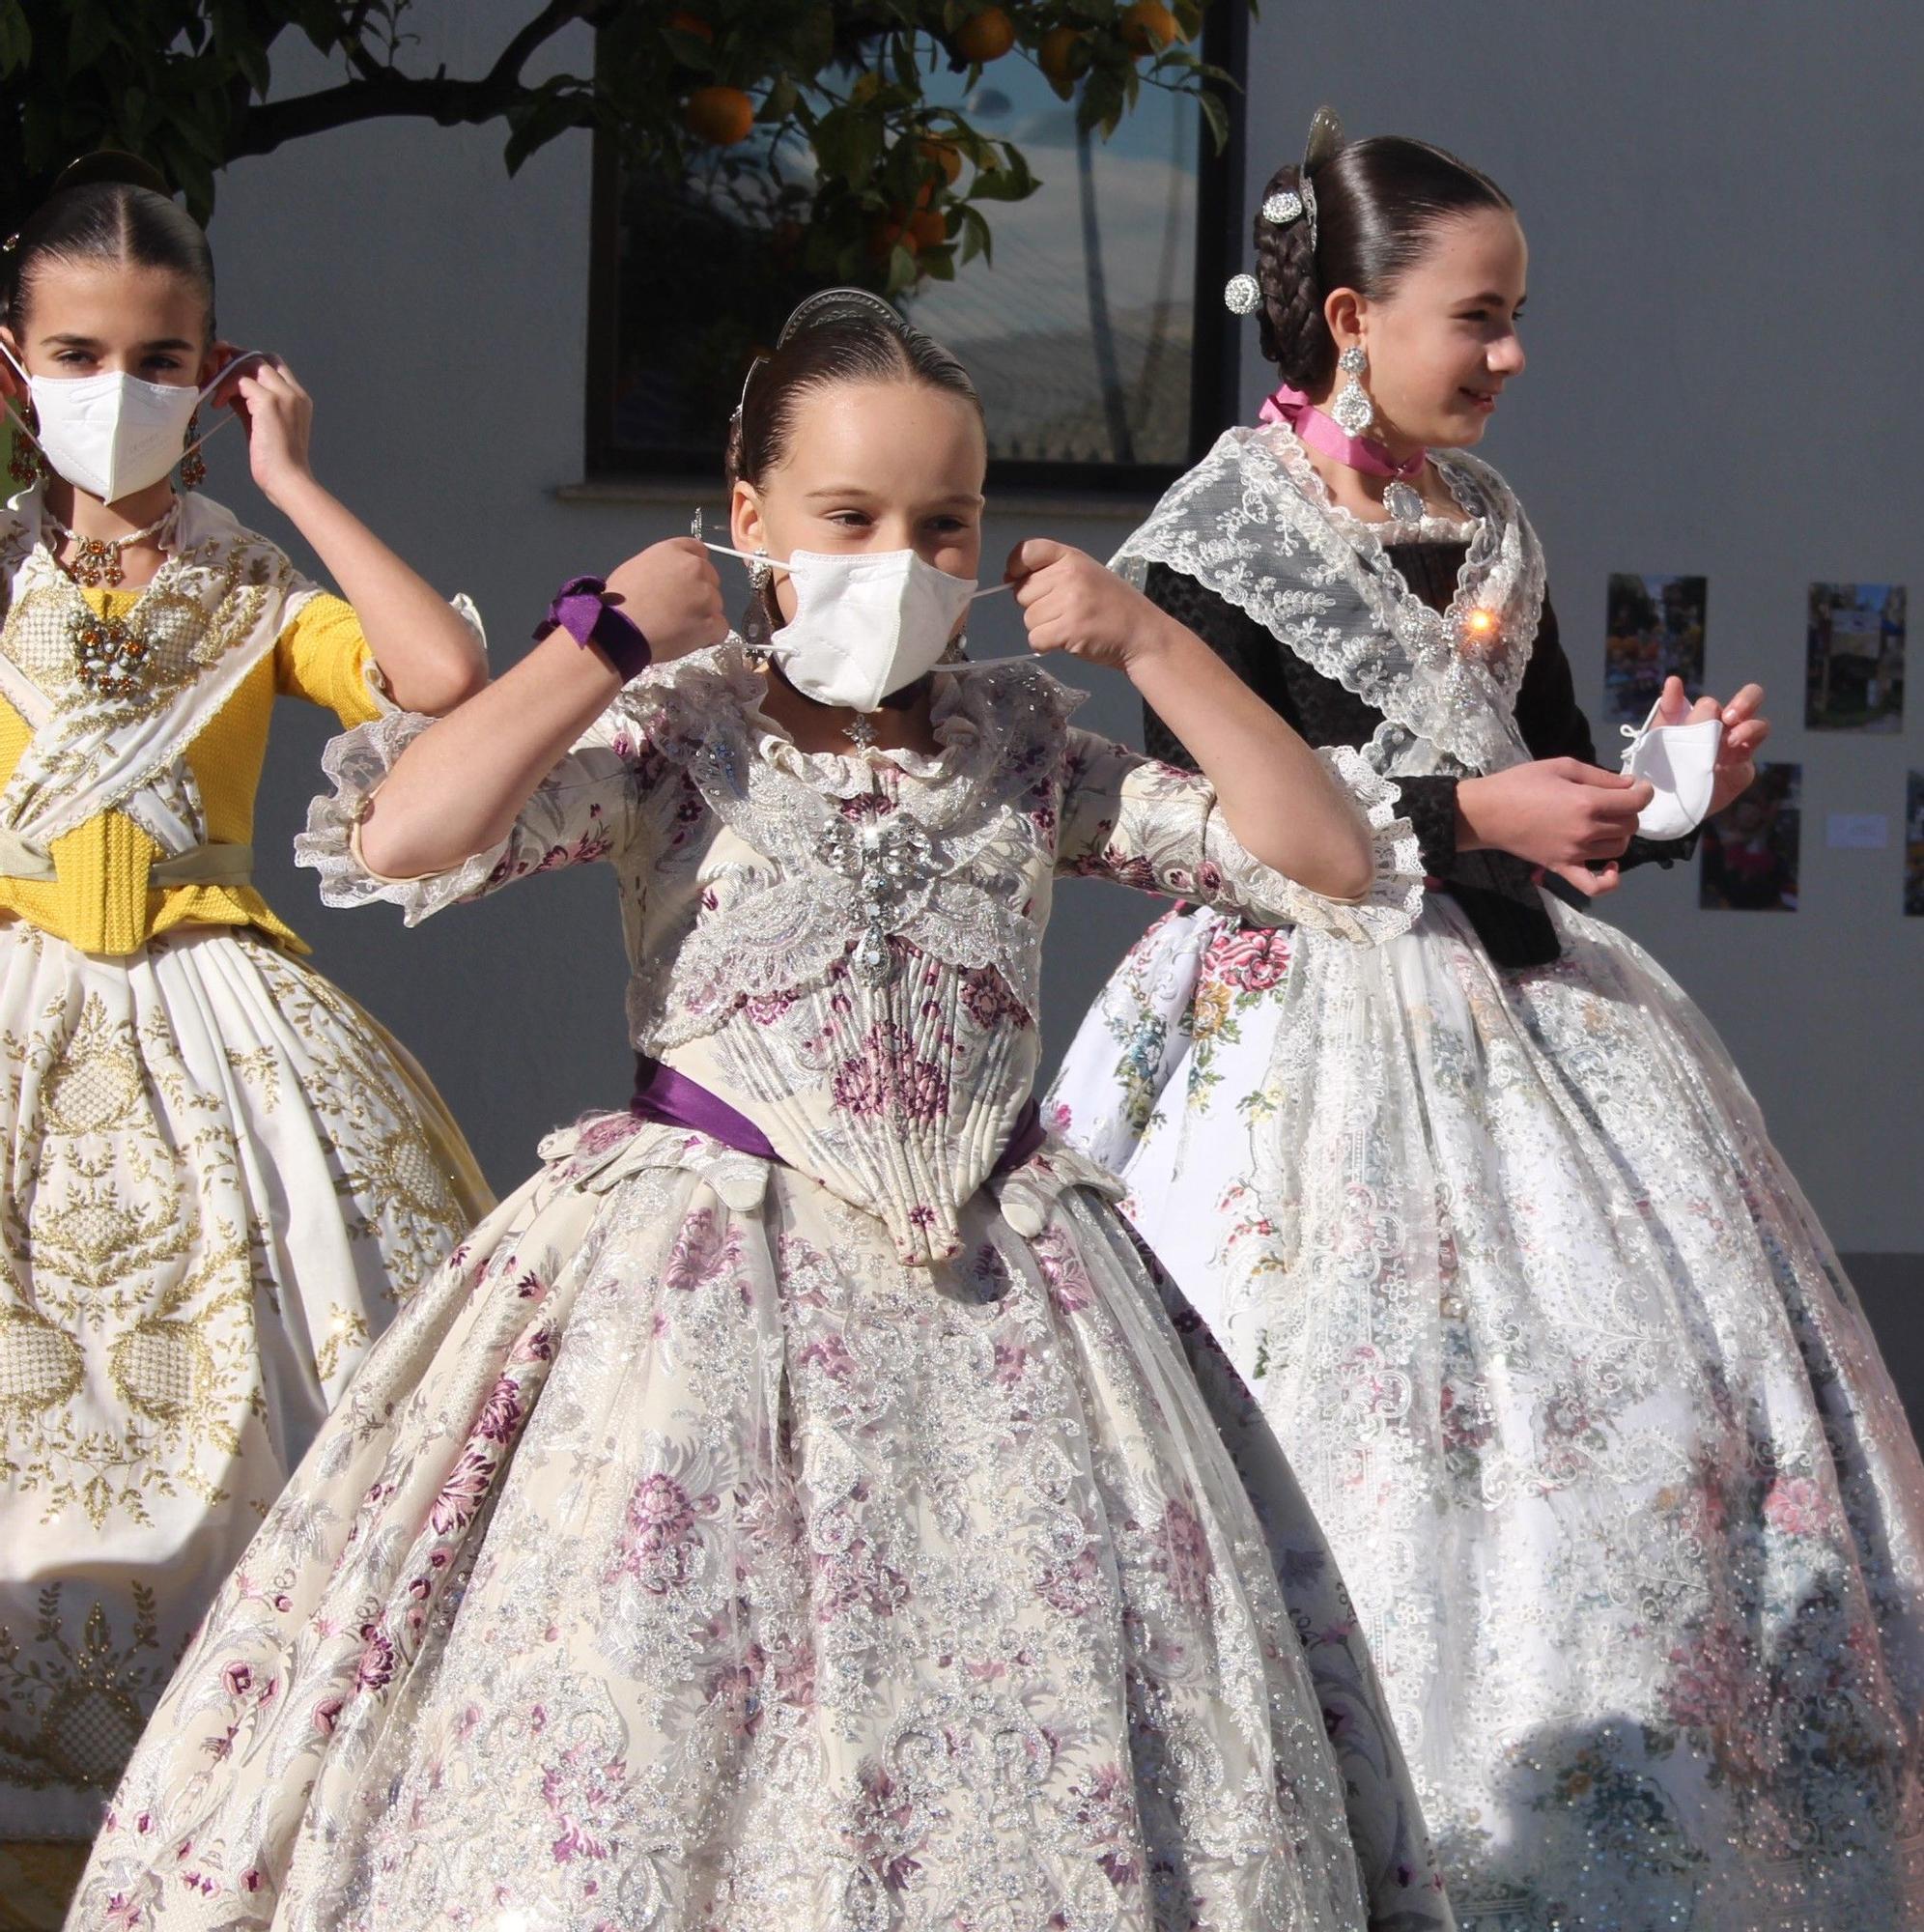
(1725,272)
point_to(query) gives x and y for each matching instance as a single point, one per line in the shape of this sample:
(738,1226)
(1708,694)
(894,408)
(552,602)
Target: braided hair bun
(1289,321)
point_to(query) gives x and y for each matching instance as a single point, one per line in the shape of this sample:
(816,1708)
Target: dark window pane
(1097,364)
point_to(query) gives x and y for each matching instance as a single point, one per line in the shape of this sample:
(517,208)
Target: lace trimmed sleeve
(581,811)
(1159,828)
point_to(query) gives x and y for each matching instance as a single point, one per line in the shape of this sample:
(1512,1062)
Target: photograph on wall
(1654,630)
(1853,658)
(1750,847)
(1913,845)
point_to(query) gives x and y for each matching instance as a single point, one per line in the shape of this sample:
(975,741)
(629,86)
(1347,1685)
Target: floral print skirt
(220,1175)
(681,1560)
(1575,1384)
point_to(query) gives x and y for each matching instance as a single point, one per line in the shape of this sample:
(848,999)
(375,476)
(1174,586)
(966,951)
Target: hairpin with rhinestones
(1242,295)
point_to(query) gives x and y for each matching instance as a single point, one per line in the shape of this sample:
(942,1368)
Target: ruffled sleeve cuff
(1395,900)
(357,764)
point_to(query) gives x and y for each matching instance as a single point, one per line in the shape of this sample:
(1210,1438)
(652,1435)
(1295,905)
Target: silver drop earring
(757,629)
(1352,408)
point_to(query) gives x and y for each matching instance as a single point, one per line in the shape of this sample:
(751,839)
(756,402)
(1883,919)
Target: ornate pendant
(1403,501)
(107,655)
(97,562)
(859,731)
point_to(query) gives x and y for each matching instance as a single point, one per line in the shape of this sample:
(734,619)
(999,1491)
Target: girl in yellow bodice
(221,1175)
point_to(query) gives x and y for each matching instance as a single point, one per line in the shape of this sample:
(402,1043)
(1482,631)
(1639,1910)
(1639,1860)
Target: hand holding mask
(1680,762)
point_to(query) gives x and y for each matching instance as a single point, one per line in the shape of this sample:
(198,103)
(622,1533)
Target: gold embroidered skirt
(221,1176)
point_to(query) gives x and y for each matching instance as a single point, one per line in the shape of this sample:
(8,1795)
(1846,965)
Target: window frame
(1214,367)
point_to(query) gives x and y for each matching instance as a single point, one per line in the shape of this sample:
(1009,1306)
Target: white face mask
(866,622)
(1681,760)
(112,434)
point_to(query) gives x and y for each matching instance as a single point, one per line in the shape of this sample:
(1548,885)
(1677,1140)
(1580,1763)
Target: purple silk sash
(672,1100)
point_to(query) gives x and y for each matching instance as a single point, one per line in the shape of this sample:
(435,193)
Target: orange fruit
(929,228)
(886,230)
(944,154)
(1147,27)
(720,116)
(986,36)
(692,23)
(1063,58)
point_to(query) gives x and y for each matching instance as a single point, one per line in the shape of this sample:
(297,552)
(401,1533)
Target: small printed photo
(1853,658)
(1654,630)
(1914,846)
(1750,847)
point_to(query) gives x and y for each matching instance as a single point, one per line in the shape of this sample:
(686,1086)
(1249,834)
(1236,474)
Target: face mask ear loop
(226,416)
(994,590)
(747,557)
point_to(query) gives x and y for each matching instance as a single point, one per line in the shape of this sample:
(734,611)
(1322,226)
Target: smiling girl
(793,1508)
(1604,1443)
(219,1172)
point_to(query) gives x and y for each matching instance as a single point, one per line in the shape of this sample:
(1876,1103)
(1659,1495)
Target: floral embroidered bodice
(847,948)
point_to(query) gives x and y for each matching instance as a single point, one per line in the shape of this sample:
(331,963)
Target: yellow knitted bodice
(101,898)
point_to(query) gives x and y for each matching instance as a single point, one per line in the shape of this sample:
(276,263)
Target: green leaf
(89,34)
(16,37)
(1218,118)
(251,58)
(783,98)
(939,263)
(691,51)
(901,270)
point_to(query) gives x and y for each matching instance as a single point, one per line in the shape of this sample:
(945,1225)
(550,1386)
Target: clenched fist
(671,591)
(1071,603)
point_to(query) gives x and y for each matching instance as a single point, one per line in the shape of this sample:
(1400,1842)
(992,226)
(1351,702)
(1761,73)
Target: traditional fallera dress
(1566,1364)
(832,1535)
(220,1175)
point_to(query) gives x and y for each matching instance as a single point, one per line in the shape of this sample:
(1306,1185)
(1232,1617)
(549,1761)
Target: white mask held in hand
(866,622)
(1680,761)
(112,434)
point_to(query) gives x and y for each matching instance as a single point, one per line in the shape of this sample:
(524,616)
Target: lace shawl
(1254,522)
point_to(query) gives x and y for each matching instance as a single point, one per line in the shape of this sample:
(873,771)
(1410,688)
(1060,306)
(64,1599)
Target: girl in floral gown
(795,1507)
(1565,1361)
(221,1175)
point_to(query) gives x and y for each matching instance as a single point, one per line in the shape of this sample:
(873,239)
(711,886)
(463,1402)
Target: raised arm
(429,655)
(1280,802)
(457,790)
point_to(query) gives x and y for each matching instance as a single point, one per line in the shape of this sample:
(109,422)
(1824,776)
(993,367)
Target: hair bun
(112,165)
(1289,321)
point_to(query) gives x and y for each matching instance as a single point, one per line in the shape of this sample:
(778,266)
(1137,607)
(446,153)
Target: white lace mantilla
(848,948)
(1254,522)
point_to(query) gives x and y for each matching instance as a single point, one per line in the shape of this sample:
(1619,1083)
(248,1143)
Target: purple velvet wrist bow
(582,610)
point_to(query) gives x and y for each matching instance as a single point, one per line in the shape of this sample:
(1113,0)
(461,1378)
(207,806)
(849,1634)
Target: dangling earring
(1352,408)
(957,651)
(24,463)
(193,469)
(756,627)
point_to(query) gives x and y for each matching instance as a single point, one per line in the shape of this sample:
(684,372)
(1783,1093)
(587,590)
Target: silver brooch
(1242,295)
(1282,206)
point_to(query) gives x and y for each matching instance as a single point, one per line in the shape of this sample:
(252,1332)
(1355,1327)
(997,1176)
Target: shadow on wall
(1892,1288)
